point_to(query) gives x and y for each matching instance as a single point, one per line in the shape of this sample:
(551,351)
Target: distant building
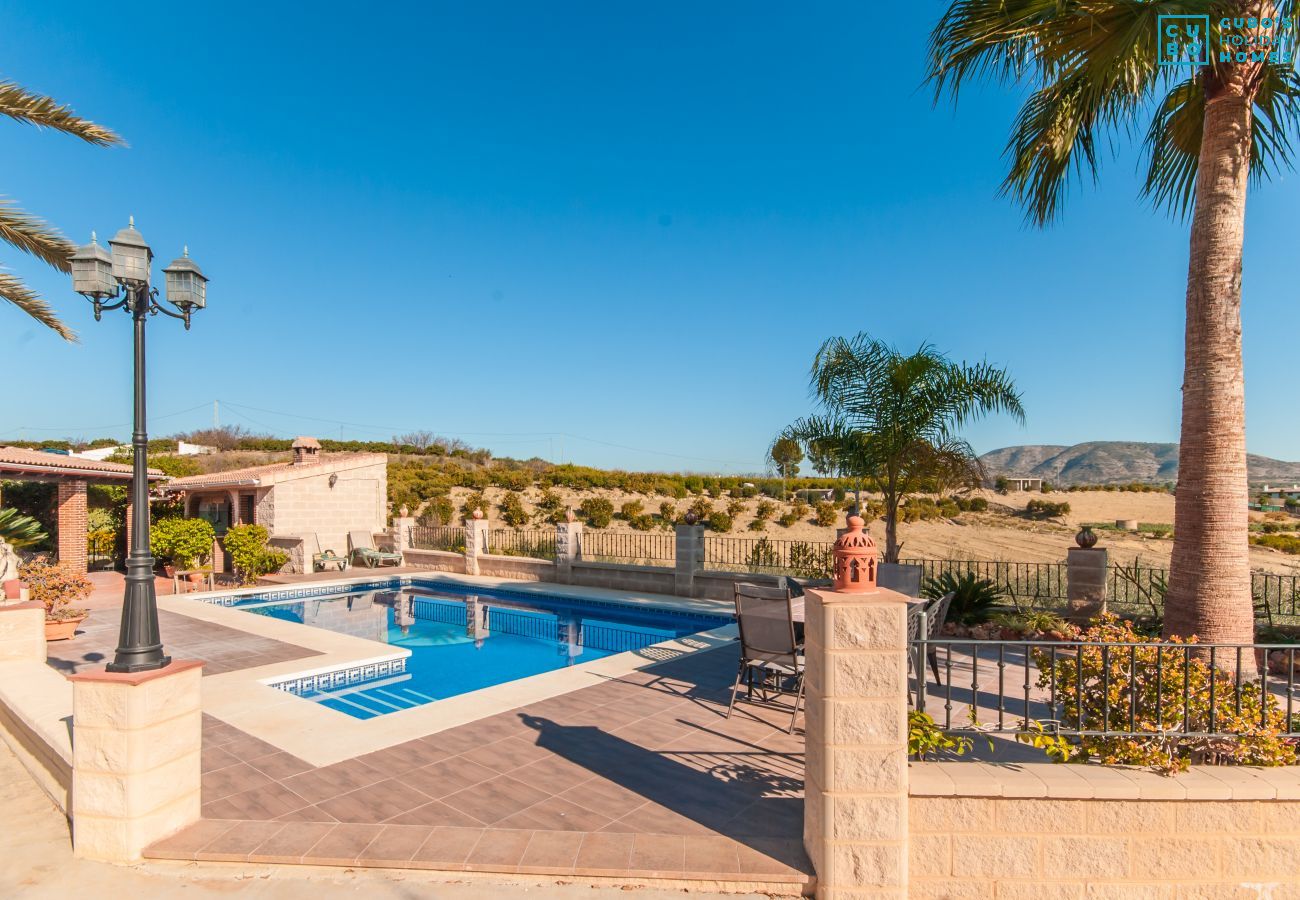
(187,449)
(1274,498)
(313,496)
(1018,483)
(99,454)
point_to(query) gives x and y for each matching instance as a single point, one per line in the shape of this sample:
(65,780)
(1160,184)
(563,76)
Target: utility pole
(216,415)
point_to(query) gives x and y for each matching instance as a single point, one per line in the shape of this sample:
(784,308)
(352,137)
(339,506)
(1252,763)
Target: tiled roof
(21,460)
(269,474)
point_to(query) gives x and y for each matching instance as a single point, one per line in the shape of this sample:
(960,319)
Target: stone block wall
(356,502)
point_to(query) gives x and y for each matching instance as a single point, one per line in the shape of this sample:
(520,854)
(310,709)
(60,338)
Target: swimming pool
(463,638)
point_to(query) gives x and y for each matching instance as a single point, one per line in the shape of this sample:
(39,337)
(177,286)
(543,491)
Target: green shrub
(631,509)
(701,509)
(439,511)
(250,557)
(825,514)
(719,521)
(185,542)
(757,525)
(668,513)
(973,598)
(1284,542)
(596,511)
(475,501)
(512,510)
(1046,509)
(926,740)
(787,520)
(764,510)
(551,509)
(642,521)
(735,508)
(1169,705)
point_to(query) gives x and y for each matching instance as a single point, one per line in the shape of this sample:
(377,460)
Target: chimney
(306,450)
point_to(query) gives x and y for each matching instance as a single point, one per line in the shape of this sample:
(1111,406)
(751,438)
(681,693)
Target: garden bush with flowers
(1118,689)
(57,585)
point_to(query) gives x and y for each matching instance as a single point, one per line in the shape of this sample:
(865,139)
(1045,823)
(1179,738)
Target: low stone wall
(1043,830)
(523,568)
(295,548)
(722,585)
(35,702)
(615,576)
(437,560)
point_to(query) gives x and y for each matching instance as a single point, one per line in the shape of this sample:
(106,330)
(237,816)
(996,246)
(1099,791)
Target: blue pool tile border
(336,678)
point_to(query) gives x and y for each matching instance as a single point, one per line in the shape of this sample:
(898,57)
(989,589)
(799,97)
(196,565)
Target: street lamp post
(100,277)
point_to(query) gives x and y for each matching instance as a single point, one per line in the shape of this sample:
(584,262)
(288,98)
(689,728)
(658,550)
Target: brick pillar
(1087,575)
(568,547)
(855,785)
(72,524)
(689,542)
(136,773)
(400,531)
(476,543)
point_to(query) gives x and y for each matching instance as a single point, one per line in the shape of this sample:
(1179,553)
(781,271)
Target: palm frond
(35,236)
(18,530)
(23,297)
(31,108)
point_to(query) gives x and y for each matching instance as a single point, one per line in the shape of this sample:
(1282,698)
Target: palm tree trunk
(1209,585)
(891,528)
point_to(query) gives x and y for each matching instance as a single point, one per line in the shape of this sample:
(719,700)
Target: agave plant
(18,530)
(973,598)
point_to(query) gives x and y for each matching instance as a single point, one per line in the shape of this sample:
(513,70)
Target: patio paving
(641,777)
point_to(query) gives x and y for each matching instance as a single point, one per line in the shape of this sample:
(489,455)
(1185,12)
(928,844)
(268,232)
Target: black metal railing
(809,559)
(101,550)
(629,547)
(534,544)
(1102,689)
(450,538)
(1133,590)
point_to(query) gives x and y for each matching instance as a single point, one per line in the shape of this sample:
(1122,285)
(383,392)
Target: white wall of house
(306,505)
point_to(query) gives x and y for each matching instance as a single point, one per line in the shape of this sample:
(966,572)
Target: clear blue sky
(535,225)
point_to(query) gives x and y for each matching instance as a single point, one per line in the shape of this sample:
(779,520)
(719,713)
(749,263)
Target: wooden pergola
(71,474)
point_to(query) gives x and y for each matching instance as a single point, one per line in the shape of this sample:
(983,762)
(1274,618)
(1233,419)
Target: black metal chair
(768,648)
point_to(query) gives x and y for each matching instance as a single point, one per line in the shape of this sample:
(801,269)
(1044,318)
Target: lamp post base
(139,646)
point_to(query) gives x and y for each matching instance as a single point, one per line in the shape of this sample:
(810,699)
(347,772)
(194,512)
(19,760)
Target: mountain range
(1113,462)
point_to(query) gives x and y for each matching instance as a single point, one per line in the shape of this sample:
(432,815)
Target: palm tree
(893,419)
(1210,130)
(26,232)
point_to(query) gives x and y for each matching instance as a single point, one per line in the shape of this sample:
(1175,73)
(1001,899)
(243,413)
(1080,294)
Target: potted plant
(181,543)
(57,585)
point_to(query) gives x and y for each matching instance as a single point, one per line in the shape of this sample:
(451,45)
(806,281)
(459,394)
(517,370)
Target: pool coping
(322,736)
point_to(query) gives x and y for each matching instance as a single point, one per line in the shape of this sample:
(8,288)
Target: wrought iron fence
(1093,689)
(534,544)
(1134,589)
(629,547)
(808,559)
(101,546)
(450,538)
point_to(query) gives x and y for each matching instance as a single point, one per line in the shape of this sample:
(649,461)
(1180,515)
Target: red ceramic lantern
(855,559)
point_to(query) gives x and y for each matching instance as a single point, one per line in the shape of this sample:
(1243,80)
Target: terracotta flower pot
(169,570)
(63,629)
(1086,538)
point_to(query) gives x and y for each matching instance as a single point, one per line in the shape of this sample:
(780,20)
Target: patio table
(183,574)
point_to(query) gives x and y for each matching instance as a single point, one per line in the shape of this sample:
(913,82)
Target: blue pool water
(462,641)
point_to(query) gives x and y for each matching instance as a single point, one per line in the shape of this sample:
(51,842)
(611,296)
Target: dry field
(1002,533)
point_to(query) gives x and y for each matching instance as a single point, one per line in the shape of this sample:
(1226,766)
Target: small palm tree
(893,419)
(1211,130)
(26,232)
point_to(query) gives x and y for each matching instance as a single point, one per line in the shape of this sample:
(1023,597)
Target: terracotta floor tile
(454,740)
(556,814)
(654,819)
(185,843)
(342,844)
(375,802)
(494,800)
(664,854)
(248,748)
(772,856)
(448,845)
(551,852)
(402,758)
(447,776)
(268,802)
(507,755)
(603,853)
(216,758)
(603,796)
(289,843)
(307,814)
(235,845)
(498,850)
(234,779)
(395,844)
(333,781)
(280,765)
(553,774)
(436,813)
(711,855)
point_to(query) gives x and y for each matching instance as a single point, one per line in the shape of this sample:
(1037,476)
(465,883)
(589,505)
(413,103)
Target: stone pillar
(72,524)
(22,632)
(136,743)
(855,785)
(690,557)
(400,531)
(1087,576)
(568,547)
(476,542)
